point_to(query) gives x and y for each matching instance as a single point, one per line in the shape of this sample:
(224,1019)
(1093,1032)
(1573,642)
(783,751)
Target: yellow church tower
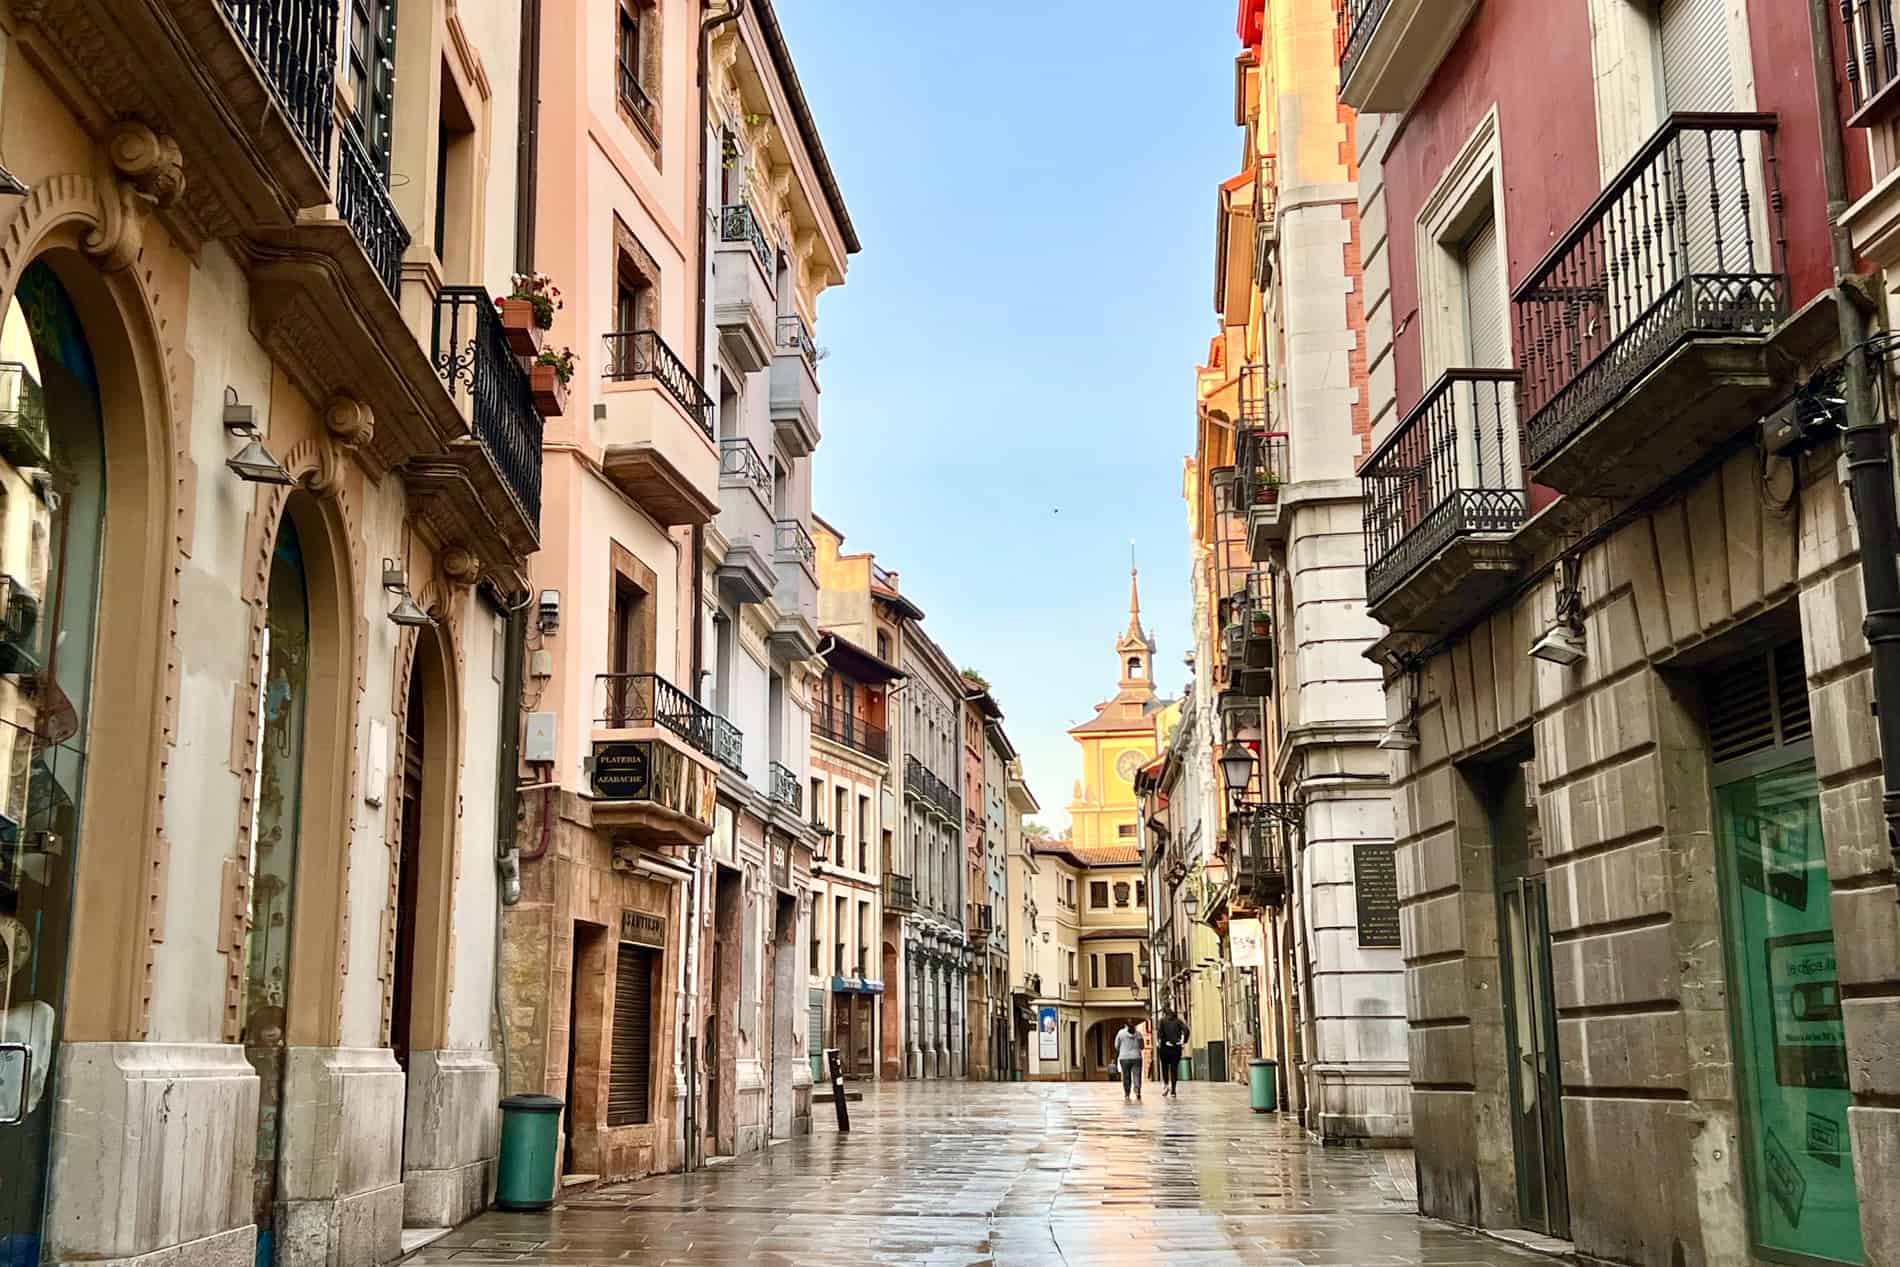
(1118,741)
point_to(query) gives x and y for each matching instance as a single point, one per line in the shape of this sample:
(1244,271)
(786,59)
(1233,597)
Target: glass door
(1543,1194)
(52,509)
(1785,1009)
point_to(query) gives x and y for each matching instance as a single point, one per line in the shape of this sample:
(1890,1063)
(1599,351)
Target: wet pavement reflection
(1008,1174)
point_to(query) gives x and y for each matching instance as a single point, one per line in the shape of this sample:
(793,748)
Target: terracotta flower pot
(550,393)
(1266,494)
(517,322)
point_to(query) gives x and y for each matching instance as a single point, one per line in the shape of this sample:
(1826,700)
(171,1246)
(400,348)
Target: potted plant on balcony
(1266,489)
(528,311)
(548,377)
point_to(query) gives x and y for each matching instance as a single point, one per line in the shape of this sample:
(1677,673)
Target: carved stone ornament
(460,566)
(141,171)
(348,425)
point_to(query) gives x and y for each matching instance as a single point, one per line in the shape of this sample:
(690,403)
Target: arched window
(1134,666)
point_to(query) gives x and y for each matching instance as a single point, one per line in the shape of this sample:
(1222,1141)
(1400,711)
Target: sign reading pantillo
(1375,887)
(643,929)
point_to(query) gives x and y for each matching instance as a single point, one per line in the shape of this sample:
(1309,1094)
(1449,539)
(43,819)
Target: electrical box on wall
(538,744)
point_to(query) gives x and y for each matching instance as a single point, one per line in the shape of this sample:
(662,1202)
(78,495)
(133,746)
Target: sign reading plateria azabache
(1375,887)
(624,771)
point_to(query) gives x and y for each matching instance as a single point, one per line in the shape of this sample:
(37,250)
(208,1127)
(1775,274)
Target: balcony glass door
(52,503)
(1543,1194)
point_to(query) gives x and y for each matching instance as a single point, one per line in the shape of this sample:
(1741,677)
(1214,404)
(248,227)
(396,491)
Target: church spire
(1134,603)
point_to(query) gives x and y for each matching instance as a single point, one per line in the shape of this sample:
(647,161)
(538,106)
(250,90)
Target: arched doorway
(52,521)
(276,820)
(418,999)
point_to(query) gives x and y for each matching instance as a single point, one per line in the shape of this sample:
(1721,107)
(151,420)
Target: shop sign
(856,985)
(653,771)
(781,862)
(642,929)
(1248,944)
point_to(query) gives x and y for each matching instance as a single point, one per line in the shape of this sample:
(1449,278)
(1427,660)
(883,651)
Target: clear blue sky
(1009,390)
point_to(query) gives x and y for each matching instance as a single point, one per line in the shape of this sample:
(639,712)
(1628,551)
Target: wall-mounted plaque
(1375,886)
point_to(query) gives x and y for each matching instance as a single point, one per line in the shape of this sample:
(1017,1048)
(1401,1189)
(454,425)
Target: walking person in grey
(1128,1044)
(1171,1038)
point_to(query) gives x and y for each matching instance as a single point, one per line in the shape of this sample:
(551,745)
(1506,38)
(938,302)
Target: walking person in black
(1170,1040)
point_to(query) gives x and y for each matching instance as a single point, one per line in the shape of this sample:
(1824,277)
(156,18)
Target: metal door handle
(26,1080)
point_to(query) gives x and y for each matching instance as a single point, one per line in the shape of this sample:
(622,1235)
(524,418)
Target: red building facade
(1649,920)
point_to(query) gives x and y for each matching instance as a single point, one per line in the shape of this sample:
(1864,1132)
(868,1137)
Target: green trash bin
(1184,1072)
(530,1132)
(1260,1074)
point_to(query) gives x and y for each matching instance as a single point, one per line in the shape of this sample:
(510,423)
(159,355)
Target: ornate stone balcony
(652,768)
(794,390)
(745,280)
(1389,49)
(749,571)
(657,434)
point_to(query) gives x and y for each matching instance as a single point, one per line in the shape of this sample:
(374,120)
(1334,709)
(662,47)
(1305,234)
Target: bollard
(835,1063)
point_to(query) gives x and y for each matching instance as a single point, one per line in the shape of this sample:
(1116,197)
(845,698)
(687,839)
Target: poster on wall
(1048,1049)
(1249,943)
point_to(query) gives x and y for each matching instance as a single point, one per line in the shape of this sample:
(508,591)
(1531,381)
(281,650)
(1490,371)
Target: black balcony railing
(637,354)
(1873,60)
(739,223)
(740,466)
(982,920)
(795,336)
(1358,19)
(785,789)
(900,892)
(1670,250)
(1254,392)
(1451,467)
(630,700)
(919,781)
(1260,467)
(1260,836)
(728,745)
(792,544)
(471,350)
(294,42)
(853,732)
(362,199)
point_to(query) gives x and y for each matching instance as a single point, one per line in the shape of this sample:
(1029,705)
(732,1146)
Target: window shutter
(629,1072)
(1693,35)
(1487,413)
(1486,331)
(1758,704)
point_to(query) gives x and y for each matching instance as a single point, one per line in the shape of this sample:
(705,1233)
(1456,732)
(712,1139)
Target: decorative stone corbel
(460,566)
(140,172)
(348,425)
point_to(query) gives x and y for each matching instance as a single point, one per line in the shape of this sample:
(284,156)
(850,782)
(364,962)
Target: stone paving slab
(1007,1175)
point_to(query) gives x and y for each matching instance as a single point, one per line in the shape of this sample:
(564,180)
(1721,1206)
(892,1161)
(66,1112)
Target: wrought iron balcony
(642,354)
(920,782)
(795,336)
(471,353)
(900,893)
(362,199)
(633,700)
(728,745)
(842,728)
(1389,49)
(792,544)
(739,223)
(1873,61)
(786,790)
(1032,984)
(1261,471)
(740,466)
(982,922)
(294,43)
(1642,333)
(1263,835)
(1441,497)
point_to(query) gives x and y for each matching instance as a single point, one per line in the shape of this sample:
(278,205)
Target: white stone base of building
(1361,1106)
(451,1137)
(340,1194)
(154,1152)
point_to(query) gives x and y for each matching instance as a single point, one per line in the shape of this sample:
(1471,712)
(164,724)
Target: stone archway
(63,225)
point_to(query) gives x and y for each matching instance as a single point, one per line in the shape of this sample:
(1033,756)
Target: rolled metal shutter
(629,1073)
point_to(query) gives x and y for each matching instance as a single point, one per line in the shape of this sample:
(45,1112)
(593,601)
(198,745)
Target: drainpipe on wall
(1864,439)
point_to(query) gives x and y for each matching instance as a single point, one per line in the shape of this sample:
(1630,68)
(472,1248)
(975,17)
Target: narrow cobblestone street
(1013,1175)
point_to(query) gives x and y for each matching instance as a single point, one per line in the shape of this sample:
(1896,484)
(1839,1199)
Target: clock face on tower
(1127,764)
